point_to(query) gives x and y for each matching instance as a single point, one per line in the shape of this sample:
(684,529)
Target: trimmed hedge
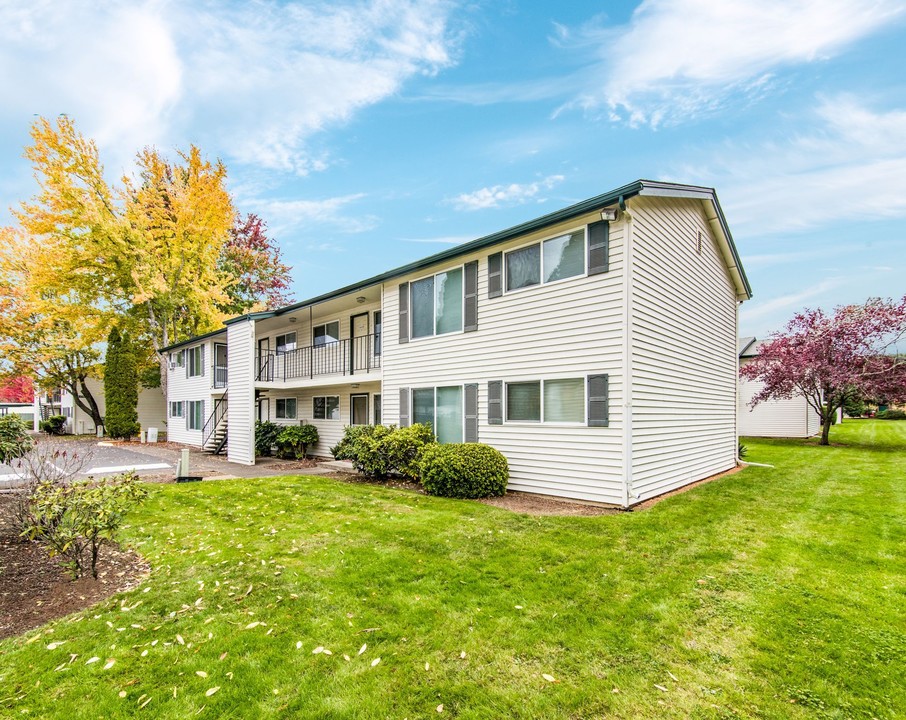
(293,441)
(266,434)
(379,451)
(14,438)
(891,415)
(463,470)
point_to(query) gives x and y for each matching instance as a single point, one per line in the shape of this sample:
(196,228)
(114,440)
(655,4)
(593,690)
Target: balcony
(353,356)
(219,376)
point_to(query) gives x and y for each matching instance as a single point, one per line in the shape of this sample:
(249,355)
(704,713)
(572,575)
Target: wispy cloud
(445,240)
(677,59)
(782,306)
(252,81)
(296,215)
(505,195)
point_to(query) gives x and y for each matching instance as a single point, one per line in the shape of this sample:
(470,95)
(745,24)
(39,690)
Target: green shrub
(266,434)
(370,452)
(14,438)
(293,441)
(79,518)
(891,415)
(463,470)
(343,450)
(53,425)
(120,386)
(743,451)
(404,448)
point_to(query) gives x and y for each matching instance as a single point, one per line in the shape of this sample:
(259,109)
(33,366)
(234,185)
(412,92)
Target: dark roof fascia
(193,340)
(743,349)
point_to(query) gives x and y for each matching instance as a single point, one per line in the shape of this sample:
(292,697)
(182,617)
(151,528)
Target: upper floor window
(551,260)
(436,303)
(285,343)
(326,333)
(195,361)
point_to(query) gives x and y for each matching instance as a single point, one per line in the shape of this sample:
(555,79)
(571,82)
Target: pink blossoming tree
(857,349)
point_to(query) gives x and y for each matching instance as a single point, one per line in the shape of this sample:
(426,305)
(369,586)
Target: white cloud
(445,240)
(682,58)
(297,216)
(852,166)
(251,81)
(782,306)
(505,195)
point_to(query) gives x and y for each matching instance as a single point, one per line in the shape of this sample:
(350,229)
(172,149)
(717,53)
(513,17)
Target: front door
(264,409)
(265,362)
(358,409)
(359,353)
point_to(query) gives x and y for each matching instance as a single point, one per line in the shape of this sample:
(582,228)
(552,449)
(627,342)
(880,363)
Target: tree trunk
(83,398)
(826,423)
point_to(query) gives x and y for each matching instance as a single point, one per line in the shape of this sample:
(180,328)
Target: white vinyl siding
(558,330)
(181,388)
(791,417)
(241,403)
(683,349)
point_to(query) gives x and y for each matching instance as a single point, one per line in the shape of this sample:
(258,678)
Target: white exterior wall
(330,432)
(241,399)
(562,330)
(683,349)
(152,408)
(792,418)
(184,389)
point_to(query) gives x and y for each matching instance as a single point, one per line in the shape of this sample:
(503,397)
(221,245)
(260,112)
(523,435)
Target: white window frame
(295,343)
(325,397)
(541,420)
(462,393)
(325,324)
(434,334)
(190,415)
(178,406)
(178,358)
(195,369)
(285,416)
(540,244)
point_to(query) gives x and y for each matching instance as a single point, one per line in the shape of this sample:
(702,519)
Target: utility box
(152,434)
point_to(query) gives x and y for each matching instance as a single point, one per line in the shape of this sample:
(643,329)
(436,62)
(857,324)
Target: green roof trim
(192,340)
(614,197)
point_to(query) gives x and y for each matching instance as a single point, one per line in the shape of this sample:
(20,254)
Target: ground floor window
(326,407)
(554,401)
(176,408)
(286,408)
(195,414)
(442,408)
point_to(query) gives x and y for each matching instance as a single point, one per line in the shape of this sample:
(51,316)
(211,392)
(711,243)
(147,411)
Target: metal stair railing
(214,419)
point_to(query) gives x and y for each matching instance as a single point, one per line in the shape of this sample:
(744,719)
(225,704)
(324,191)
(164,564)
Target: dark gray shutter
(495,402)
(598,405)
(404,313)
(471,413)
(598,247)
(470,278)
(404,407)
(185,361)
(495,275)
(186,412)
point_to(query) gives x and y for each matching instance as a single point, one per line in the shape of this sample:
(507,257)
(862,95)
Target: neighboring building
(595,347)
(152,410)
(24,410)
(791,418)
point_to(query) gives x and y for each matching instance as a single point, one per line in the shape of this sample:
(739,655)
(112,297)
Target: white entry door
(361,350)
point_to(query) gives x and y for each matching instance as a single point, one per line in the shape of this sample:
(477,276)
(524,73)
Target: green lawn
(771,593)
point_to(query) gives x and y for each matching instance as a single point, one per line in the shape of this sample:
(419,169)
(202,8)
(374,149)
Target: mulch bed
(35,589)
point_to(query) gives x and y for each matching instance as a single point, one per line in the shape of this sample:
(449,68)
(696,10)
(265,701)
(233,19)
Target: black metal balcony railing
(220,376)
(341,357)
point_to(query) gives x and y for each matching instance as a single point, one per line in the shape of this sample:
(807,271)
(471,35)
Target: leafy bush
(891,415)
(343,450)
(80,518)
(266,434)
(463,470)
(743,451)
(53,425)
(382,450)
(14,438)
(293,441)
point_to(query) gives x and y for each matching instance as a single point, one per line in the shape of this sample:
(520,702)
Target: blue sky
(372,133)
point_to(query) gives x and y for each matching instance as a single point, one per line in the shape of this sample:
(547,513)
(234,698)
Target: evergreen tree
(120,386)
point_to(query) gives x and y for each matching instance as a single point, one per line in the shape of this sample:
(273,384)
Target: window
(195,361)
(178,359)
(442,408)
(377,409)
(175,409)
(195,414)
(326,408)
(286,408)
(286,343)
(556,401)
(326,333)
(554,259)
(436,304)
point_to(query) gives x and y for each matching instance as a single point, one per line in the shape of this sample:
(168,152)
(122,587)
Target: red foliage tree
(825,357)
(261,279)
(17,390)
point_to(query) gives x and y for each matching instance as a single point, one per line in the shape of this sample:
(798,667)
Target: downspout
(627,356)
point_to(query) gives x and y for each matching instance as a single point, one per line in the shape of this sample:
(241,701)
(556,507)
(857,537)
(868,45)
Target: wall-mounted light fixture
(354,386)
(292,319)
(609,214)
(361,299)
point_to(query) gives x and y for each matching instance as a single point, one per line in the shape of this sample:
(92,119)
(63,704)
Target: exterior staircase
(217,442)
(214,432)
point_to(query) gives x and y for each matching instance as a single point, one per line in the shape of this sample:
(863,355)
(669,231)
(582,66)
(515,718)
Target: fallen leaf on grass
(299,645)
(55,645)
(109,664)
(223,656)
(672,676)
(180,640)
(462,655)
(122,693)
(318,650)
(252,625)
(660,687)
(92,660)
(363,648)
(375,661)
(201,673)
(440,708)
(549,678)
(145,703)
(211,691)
(427,666)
